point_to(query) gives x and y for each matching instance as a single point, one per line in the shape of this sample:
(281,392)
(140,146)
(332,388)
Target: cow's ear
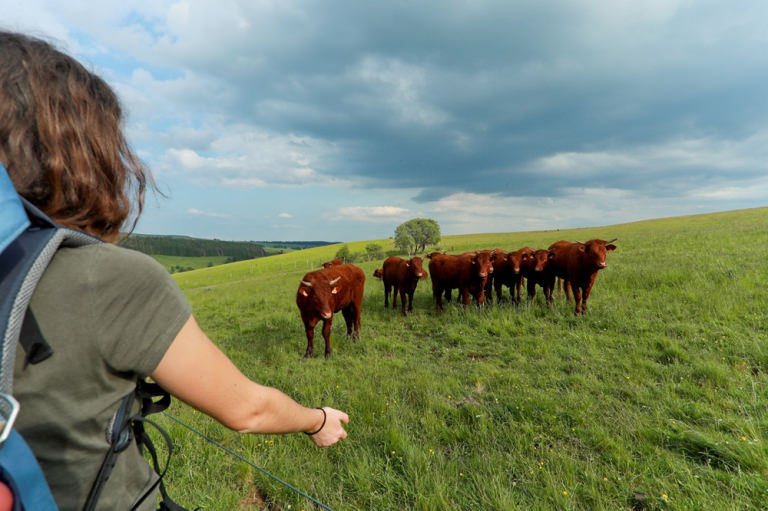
(582,248)
(610,248)
(335,290)
(407,265)
(304,291)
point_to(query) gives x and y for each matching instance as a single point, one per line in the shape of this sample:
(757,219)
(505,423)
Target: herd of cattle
(339,287)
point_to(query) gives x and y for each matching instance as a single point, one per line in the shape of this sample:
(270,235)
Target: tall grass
(654,399)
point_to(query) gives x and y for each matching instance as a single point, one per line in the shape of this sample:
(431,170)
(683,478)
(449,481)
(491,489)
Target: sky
(339,120)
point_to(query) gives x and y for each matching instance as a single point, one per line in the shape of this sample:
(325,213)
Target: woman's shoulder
(108,260)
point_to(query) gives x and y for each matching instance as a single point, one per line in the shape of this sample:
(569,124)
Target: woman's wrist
(322,425)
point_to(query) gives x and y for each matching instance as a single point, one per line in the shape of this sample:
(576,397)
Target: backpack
(28,242)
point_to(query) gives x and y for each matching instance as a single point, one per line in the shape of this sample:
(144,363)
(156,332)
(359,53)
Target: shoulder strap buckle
(9,409)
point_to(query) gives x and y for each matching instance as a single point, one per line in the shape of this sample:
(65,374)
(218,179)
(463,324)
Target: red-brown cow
(508,270)
(468,272)
(402,276)
(378,273)
(333,262)
(324,292)
(577,264)
(500,275)
(523,260)
(541,274)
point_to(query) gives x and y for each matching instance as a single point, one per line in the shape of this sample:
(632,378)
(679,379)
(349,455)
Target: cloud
(285,215)
(374,214)
(242,157)
(197,212)
(509,112)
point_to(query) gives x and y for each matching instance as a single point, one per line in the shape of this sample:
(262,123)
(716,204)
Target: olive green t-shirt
(109,314)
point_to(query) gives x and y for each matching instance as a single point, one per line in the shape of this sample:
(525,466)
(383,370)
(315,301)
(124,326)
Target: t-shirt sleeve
(138,308)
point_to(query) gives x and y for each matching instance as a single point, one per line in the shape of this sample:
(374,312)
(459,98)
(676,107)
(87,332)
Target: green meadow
(172,263)
(654,399)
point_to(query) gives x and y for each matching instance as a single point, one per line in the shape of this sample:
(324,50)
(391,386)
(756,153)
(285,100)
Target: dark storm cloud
(482,97)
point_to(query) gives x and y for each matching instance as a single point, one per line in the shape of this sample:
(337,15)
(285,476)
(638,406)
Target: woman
(110,315)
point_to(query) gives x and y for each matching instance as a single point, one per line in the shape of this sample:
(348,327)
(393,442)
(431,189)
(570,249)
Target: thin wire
(217,444)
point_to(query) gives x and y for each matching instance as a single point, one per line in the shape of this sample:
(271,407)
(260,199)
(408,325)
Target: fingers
(333,430)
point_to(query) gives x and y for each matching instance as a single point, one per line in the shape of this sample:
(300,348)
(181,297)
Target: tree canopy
(374,251)
(414,235)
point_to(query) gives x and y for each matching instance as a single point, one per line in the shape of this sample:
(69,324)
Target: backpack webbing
(22,264)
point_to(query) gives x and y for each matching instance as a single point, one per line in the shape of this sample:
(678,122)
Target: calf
(378,273)
(468,272)
(577,264)
(324,292)
(403,276)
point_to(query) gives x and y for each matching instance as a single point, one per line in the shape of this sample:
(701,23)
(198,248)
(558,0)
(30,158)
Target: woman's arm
(197,372)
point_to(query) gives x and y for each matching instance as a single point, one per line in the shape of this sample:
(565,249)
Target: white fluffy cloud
(375,214)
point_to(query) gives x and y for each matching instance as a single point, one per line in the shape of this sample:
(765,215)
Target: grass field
(654,399)
(195,263)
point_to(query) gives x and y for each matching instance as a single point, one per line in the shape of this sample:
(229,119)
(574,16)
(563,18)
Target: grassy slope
(188,262)
(655,399)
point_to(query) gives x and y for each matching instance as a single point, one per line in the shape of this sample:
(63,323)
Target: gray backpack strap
(22,264)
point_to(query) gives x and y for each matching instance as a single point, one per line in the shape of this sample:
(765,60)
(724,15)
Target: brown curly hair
(62,141)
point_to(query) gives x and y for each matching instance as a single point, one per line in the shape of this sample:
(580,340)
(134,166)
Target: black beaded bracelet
(325,416)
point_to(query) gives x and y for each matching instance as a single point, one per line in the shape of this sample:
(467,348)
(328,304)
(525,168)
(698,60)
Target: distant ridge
(187,246)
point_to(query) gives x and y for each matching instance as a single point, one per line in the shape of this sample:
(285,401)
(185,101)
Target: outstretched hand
(332,431)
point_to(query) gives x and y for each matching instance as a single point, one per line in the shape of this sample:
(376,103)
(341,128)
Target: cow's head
(526,258)
(594,251)
(378,273)
(481,260)
(541,260)
(517,259)
(499,258)
(317,294)
(415,269)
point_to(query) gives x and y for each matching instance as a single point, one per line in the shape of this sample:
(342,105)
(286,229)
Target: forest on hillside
(193,247)
(185,246)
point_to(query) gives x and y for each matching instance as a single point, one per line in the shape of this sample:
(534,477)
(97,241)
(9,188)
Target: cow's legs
(395,289)
(531,290)
(465,295)
(352,318)
(499,286)
(357,319)
(549,286)
(437,294)
(577,298)
(387,287)
(404,299)
(309,329)
(327,336)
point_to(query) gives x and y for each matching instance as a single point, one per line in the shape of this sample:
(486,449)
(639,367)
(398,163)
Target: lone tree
(344,254)
(414,235)
(374,251)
